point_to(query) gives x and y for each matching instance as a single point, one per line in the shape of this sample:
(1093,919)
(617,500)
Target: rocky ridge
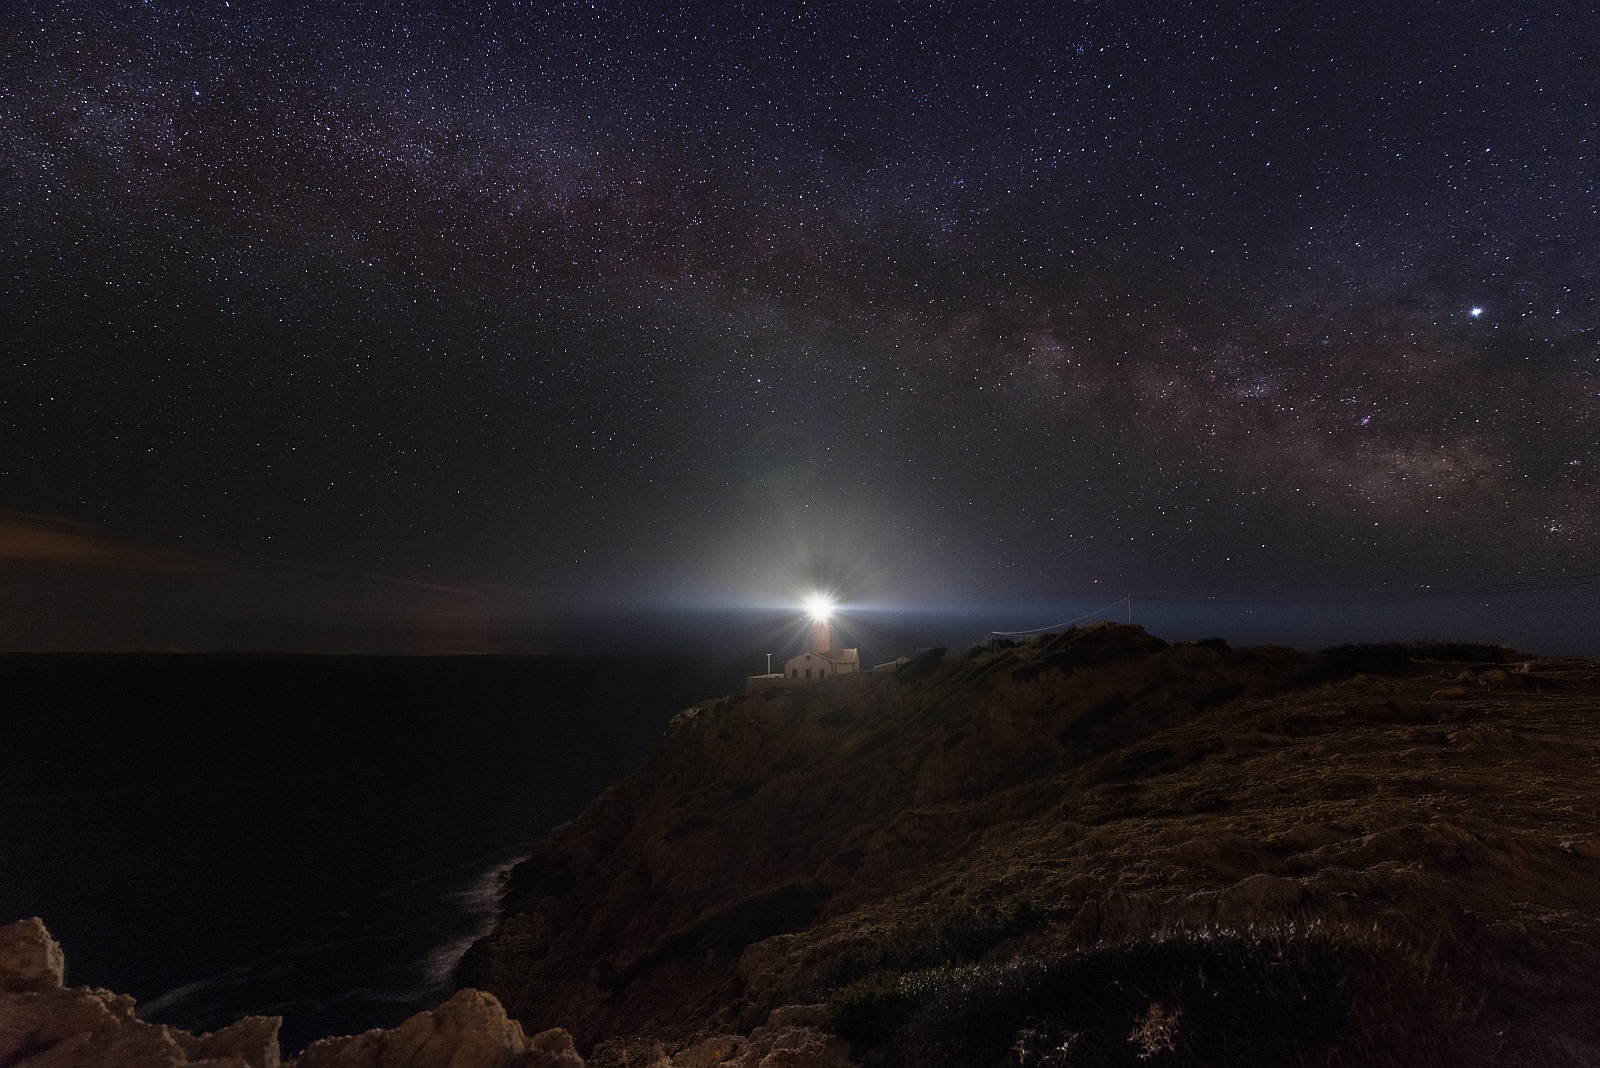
(1390,850)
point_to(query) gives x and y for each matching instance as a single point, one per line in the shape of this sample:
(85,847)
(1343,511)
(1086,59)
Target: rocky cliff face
(1094,848)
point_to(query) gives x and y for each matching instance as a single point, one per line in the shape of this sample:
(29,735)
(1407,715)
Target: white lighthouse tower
(821,635)
(820,661)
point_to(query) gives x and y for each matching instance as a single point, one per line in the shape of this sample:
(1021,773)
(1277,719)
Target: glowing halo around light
(819,607)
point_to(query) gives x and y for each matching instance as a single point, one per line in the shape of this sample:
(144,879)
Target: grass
(940,944)
(1285,996)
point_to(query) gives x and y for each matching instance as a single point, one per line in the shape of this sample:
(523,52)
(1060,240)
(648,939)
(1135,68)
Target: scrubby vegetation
(936,944)
(1096,848)
(1264,997)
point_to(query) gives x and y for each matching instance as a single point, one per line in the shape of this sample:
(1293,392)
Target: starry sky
(416,326)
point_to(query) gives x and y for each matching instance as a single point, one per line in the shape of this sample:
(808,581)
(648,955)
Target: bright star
(1476,312)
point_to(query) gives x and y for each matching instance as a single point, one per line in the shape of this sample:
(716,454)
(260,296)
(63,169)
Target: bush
(993,645)
(868,1010)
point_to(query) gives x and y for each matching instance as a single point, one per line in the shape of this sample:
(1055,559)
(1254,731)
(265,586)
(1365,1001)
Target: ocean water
(316,838)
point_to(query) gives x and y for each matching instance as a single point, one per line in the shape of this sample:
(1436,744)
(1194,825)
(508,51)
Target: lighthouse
(821,635)
(819,661)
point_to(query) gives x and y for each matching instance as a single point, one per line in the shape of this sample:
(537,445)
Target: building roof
(833,656)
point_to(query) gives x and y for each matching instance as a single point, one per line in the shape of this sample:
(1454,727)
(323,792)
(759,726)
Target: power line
(1068,623)
(1565,582)
(1541,585)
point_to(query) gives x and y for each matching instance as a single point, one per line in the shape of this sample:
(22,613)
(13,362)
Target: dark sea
(313,837)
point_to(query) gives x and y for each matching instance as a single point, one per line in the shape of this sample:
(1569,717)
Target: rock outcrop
(1389,826)
(468,1031)
(46,1024)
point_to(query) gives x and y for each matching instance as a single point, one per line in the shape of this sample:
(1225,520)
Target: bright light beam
(820,607)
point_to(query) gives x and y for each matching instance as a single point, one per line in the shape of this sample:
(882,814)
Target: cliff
(1088,849)
(1093,848)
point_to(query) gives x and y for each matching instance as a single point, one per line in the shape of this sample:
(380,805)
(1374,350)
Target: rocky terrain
(1093,848)
(46,1024)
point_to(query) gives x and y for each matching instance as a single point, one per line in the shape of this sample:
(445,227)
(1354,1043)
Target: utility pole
(769,663)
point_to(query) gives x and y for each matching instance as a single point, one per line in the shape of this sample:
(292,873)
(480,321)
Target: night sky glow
(561,309)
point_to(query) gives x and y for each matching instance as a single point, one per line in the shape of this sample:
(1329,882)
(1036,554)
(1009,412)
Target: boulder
(77,1027)
(470,1030)
(46,1024)
(711,1053)
(29,958)
(552,1049)
(253,1040)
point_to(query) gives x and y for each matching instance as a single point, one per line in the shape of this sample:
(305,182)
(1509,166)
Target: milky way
(684,304)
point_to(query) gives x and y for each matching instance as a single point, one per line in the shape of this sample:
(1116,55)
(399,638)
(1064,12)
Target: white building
(822,660)
(819,662)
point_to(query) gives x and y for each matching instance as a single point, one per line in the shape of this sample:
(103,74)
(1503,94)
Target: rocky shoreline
(46,1024)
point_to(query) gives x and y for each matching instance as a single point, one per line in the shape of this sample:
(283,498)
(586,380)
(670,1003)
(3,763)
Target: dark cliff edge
(1091,848)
